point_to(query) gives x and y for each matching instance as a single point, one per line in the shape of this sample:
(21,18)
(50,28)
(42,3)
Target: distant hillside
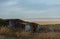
(45,23)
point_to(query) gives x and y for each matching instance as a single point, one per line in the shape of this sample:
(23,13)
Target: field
(48,30)
(8,33)
(46,22)
(27,35)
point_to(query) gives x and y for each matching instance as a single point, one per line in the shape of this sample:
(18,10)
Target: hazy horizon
(38,19)
(42,19)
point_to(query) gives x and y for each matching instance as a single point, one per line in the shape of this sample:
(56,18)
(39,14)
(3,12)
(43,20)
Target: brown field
(44,23)
(6,33)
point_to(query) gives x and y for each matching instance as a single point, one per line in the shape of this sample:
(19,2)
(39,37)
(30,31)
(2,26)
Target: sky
(29,9)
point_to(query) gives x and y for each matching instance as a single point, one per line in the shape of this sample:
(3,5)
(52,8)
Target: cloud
(29,8)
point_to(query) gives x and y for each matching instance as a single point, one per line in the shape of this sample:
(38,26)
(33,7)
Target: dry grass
(44,23)
(29,35)
(50,35)
(4,30)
